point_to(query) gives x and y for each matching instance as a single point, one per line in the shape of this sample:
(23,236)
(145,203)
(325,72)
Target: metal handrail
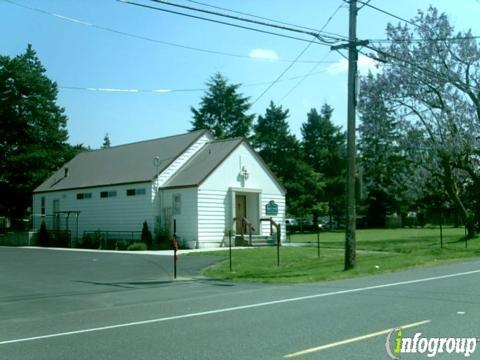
(278,228)
(250,227)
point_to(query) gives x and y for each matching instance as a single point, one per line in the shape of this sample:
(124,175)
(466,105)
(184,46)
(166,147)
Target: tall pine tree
(324,149)
(281,151)
(106,142)
(33,131)
(223,110)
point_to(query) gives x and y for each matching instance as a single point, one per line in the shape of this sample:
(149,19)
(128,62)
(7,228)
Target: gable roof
(200,166)
(195,171)
(123,164)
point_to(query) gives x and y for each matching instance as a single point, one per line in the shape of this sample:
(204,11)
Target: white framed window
(81,196)
(42,205)
(177,204)
(108,194)
(135,192)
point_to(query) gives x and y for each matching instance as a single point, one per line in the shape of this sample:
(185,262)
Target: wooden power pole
(350,240)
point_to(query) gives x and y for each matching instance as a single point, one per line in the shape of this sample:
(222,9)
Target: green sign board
(271,208)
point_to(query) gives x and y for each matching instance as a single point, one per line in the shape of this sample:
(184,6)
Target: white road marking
(242,307)
(355,339)
(461,312)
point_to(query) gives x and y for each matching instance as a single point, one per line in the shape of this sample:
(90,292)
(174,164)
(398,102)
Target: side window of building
(134,192)
(108,194)
(177,204)
(81,196)
(42,205)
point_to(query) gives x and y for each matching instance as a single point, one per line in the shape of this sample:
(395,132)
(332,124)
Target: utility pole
(350,240)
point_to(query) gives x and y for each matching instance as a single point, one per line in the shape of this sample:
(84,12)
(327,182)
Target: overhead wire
(311,71)
(361,7)
(403,60)
(258,17)
(168,90)
(449,39)
(319,42)
(256,22)
(412,64)
(146,38)
(387,13)
(281,75)
(456,38)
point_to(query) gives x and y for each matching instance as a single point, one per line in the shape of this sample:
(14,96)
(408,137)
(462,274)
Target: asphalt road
(85,305)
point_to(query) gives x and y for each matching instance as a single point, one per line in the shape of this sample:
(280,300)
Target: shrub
(43,237)
(89,241)
(59,238)
(108,244)
(162,238)
(146,235)
(122,244)
(138,246)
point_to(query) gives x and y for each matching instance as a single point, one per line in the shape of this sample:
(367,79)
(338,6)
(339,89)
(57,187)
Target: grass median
(378,251)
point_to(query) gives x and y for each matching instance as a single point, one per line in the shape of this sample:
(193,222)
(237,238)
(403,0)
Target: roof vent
(66,172)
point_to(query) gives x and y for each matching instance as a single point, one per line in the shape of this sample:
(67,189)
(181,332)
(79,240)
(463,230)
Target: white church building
(201,183)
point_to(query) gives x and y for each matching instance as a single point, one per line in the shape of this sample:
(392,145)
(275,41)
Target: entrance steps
(257,240)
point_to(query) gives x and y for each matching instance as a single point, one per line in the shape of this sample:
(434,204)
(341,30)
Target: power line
(388,13)
(361,7)
(145,38)
(283,73)
(302,79)
(457,38)
(297,58)
(168,90)
(314,67)
(259,17)
(450,39)
(256,22)
(412,64)
(216,21)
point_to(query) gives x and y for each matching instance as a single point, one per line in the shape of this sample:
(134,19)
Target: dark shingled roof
(200,166)
(122,164)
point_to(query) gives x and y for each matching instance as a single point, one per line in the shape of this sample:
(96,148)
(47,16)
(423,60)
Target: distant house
(200,182)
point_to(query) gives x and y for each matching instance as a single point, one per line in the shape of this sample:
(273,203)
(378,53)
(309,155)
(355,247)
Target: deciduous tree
(432,79)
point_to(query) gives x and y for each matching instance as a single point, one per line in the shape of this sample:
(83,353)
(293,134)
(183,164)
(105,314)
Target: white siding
(120,213)
(181,160)
(214,216)
(170,171)
(215,199)
(186,219)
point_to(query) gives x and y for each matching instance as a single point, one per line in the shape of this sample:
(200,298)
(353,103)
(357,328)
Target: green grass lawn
(378,251)
(397,240)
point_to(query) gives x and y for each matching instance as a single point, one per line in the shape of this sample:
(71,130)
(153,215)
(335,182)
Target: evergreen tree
(146,235)
(223,110)
(106,141)
(33,131)
(281,151)
(43,236)
(324,149)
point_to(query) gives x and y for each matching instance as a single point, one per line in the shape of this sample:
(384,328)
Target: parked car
(301,225)
(291,225)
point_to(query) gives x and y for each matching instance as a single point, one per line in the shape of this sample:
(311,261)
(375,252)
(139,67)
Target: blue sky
(78,55)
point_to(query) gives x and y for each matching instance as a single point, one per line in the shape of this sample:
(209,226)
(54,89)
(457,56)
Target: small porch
(246,221)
